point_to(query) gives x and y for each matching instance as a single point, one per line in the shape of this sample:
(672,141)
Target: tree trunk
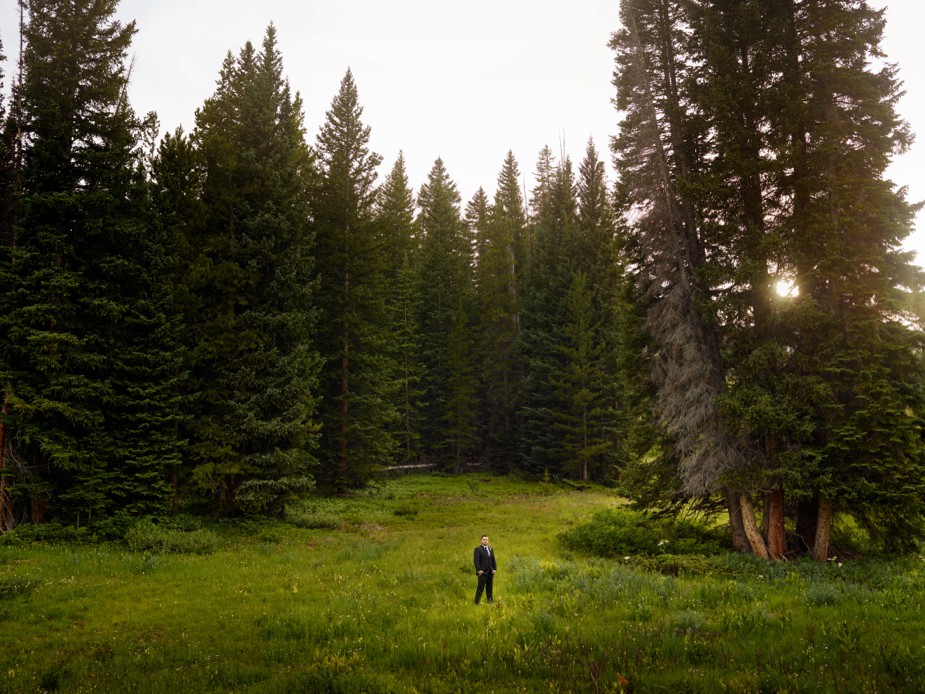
(774,522)
(823,530)
(766,516)
(755,540)
(739,540)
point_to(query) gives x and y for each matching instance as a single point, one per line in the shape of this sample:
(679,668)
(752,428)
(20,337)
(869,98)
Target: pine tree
(395,216)
(476,218)
(659,152)
(580,386)
(246,288)
(178,210)
(459,425)
(7,245)
(89,394)
(854,341)
(596,239)
(445,283)
(395,207)
(549,274)
(573,237)
(596,252)
(545,177)
(499,279)
(358,378)
(753,149)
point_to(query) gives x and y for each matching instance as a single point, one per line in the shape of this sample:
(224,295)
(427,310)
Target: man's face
(485,540)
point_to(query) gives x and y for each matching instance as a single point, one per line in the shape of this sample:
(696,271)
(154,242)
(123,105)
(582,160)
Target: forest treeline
(227,319)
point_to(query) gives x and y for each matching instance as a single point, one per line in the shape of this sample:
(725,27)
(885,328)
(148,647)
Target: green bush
(622,532)
(53,532)
(148,536)
(102,529)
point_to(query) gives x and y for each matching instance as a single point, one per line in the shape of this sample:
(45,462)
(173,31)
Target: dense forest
(223,320)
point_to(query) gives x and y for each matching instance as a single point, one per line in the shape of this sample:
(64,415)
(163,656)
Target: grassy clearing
(374,593)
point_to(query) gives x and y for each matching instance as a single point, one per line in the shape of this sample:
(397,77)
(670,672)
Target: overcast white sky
(465,81)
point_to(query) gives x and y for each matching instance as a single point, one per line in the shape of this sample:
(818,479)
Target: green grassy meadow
(374,593)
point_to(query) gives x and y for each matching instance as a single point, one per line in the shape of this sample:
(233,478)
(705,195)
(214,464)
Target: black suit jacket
(484,560)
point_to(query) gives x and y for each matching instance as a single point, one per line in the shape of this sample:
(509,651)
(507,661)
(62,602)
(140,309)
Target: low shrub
(103,529)
(623,532)
(53,532)
(148,536)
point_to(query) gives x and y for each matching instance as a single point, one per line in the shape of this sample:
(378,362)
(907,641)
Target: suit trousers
(485,581)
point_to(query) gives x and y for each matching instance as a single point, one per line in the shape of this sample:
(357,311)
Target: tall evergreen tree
(395,216)
(658,152)
(597,258)
(853,337)
(178,210)
(757,136)
(545,177)
(547,279)
(596,241)
(246,292)
(476,218)
(581,387)
(7,245)
(358,378)
(89,355)
(445,283)
(459,425)
(395,205)
(499,279)
(573,238)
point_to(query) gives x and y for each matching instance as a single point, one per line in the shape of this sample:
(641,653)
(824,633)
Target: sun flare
(786,288)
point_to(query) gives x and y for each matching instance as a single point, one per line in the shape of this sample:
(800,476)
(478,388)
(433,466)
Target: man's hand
(480,573)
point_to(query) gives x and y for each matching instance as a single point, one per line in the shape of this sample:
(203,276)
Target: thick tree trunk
(755,540)
(766,516)
(774,522)
(739,541)
(823,530)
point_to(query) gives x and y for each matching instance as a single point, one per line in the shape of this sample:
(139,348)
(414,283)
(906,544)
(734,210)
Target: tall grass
(374,594)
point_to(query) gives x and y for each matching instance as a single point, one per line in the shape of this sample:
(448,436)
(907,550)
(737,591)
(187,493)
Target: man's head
(485,540)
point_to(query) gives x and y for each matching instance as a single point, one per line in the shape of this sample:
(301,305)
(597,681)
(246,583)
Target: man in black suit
(485,567)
